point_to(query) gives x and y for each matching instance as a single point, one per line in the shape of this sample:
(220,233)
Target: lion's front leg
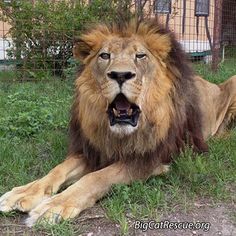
(79,196)
(25,198)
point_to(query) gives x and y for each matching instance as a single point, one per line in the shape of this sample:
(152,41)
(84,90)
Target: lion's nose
(121,77)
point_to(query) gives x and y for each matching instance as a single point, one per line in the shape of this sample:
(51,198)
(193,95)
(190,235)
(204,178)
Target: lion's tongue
(121,103)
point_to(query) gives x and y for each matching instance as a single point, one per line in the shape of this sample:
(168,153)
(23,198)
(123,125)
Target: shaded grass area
(35,140)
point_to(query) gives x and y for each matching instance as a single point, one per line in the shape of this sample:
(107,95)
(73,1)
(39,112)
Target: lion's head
(136,91)
(129,71)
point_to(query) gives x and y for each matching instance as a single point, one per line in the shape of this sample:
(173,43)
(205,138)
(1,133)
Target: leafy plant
(72,68)
(31,115)
(43,32)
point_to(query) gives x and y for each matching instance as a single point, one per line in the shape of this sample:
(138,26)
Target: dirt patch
(93,222)
(14,225)
(219,221)
(211,220)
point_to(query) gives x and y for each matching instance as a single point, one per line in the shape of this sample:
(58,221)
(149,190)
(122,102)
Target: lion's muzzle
(122,112)
(121,77)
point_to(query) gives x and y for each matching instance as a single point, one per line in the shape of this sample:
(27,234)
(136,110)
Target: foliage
(72,68)
(43,32)
(32,114)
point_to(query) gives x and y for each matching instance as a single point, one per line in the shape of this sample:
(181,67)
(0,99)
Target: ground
(33,139)
(94,222)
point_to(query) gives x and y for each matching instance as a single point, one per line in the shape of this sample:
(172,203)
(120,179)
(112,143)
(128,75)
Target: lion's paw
(52,211)
(22,198)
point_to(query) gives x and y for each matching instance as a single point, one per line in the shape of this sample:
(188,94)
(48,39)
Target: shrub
(43,32)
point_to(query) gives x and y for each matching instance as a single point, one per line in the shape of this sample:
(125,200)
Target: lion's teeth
(115,112)
(130,111)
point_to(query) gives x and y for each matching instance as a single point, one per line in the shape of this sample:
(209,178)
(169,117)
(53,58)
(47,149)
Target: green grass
(225,71)
(30,145)
(31,139)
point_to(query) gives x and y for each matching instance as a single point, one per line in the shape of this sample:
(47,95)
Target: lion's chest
(113,146)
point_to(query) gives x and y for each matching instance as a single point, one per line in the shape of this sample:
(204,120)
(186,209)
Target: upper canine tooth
(130,111)
(115,112)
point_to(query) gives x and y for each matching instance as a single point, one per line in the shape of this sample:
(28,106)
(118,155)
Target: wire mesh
(228,40)
(206,30)
(193,23)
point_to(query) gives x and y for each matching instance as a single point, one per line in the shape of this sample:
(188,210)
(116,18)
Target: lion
(137,105)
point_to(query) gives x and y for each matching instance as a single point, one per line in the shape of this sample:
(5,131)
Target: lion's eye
(105,56)
(141,55)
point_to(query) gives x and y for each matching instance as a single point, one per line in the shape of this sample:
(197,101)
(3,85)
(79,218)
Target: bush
(43,32)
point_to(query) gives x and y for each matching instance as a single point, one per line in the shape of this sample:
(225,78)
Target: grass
(34,141)
(30,145)
(227,69)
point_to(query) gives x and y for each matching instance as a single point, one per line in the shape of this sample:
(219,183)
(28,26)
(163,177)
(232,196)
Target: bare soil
(93,222)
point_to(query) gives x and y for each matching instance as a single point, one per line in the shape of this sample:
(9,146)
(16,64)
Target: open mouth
(122,112)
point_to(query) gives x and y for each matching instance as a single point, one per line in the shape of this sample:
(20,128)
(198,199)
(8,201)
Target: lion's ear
(159,45)
(90,42)
(81,50)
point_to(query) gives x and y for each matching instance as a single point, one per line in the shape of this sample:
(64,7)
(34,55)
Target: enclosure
(36,37)
(37,74)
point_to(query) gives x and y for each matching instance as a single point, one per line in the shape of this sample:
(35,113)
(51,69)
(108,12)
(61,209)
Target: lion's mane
(144,149)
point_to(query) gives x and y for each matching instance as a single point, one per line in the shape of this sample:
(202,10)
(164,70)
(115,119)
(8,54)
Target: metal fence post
(217,35)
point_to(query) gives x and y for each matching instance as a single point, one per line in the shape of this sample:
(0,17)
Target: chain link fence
(36,37)
(228,36)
